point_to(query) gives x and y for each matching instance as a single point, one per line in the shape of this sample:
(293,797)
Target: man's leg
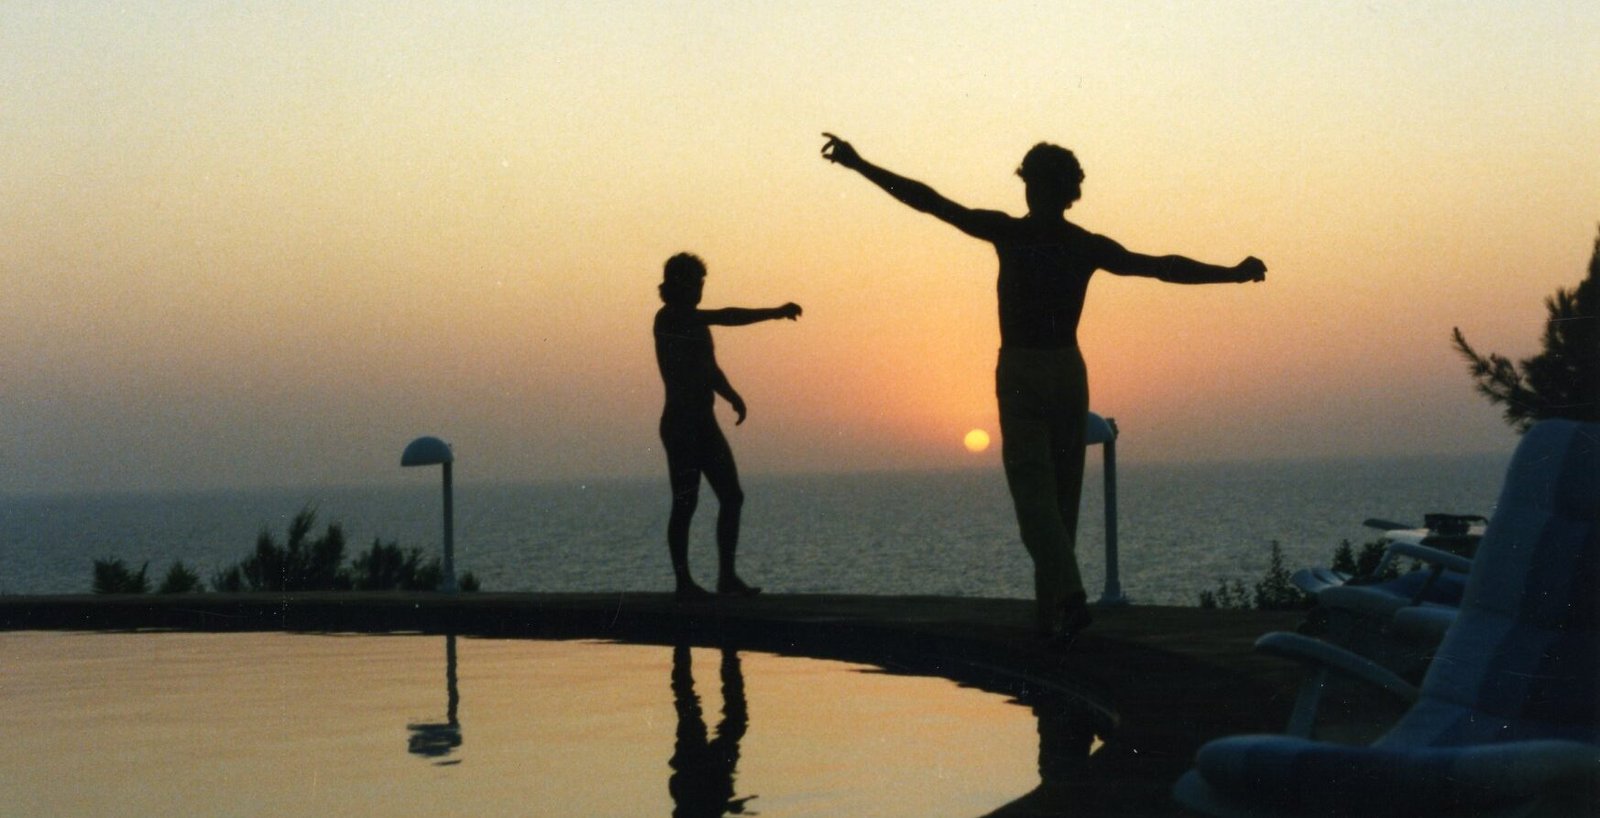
(1021,382)
(1069,418)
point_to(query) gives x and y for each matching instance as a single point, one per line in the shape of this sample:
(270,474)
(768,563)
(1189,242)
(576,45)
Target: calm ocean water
(1182,528)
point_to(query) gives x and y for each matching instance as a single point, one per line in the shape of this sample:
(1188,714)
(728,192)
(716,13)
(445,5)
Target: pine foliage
(1563,381)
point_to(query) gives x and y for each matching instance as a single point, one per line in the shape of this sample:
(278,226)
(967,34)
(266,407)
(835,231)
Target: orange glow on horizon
(307,231)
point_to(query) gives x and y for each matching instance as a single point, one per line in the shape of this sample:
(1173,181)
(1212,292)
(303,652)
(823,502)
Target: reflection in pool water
(286,724)
(703,767)
(436,739)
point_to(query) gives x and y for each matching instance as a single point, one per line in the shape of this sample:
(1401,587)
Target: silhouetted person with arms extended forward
(689,432)
(1040,380)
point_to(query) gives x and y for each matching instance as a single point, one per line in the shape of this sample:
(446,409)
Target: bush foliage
(1563,380)
(304,561)
(301,563)
(112,576)
(1276,591)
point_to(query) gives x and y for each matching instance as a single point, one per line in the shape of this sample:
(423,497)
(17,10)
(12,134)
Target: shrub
(1563,380)
(180,580)
(1275,591)
(111,576)
(300,564)
(228,580)
(1227,595)
(1366,563)
(388,568)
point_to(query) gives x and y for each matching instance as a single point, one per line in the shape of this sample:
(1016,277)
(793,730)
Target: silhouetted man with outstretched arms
(1040,380)
(689,432)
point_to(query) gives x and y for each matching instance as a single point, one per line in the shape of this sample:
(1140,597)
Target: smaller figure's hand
(738,407)
(1251,269)
(840,152)
(790,311)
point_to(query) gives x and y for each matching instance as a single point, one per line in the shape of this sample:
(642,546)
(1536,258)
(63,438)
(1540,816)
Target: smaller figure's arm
(720,385)
(741,316)
(1177,269)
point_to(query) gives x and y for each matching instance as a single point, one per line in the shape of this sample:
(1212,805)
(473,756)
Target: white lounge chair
(1507,718)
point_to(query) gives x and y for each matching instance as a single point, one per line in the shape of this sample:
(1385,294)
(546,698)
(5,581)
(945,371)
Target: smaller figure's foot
(688,591)
(736,587)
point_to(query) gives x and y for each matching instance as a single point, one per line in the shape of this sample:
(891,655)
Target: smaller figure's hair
(683,267)
(1048,163)
(679,276)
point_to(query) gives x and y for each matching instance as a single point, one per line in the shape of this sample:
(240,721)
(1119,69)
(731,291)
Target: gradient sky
(268,243)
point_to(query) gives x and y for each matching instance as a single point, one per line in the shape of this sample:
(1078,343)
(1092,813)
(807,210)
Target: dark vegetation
(1276,592)
(304,561)
(1562,381)
(112,576)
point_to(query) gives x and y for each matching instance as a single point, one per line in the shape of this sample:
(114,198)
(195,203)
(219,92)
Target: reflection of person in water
(1066,738)
(689,431)
(434,739)
(1040,380)
(703,767)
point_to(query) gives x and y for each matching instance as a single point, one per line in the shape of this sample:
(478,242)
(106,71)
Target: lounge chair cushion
(1312,777)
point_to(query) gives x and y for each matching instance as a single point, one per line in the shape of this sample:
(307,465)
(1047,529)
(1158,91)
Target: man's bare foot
(1074,619)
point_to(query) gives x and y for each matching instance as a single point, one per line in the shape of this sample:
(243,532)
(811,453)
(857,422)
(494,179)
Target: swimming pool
(299,724)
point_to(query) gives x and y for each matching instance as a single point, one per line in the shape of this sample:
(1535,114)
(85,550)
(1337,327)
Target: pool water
(162,724)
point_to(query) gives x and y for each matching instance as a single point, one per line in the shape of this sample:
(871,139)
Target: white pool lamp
(431,451)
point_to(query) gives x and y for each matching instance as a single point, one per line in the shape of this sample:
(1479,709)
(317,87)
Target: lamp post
(1103,430)
(430,451)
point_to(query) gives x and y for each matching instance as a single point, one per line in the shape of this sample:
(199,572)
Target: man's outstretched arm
(910,192)
(741,316)
(1179,269)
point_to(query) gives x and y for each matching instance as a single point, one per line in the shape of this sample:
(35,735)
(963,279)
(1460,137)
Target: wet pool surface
(294,724)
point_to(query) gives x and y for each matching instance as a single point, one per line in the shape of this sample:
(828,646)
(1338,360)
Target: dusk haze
(267,244)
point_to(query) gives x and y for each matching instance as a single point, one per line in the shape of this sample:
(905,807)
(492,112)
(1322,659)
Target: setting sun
(976,440)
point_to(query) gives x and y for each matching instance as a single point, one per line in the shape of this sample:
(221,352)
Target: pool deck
(1157,681)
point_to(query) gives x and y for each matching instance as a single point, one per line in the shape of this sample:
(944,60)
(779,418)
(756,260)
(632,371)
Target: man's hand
(840,152)
(790,311)
(738,406)
(1251,269)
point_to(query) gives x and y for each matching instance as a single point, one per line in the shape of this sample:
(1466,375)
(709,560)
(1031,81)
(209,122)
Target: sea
(1182,528)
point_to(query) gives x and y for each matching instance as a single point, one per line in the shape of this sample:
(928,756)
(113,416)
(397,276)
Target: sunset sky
(268,243)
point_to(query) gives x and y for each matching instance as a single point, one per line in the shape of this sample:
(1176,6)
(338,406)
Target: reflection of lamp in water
(435,740)
(431,451)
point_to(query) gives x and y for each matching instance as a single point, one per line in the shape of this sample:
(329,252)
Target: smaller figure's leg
(685,481)
(683,508)
(723,475)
